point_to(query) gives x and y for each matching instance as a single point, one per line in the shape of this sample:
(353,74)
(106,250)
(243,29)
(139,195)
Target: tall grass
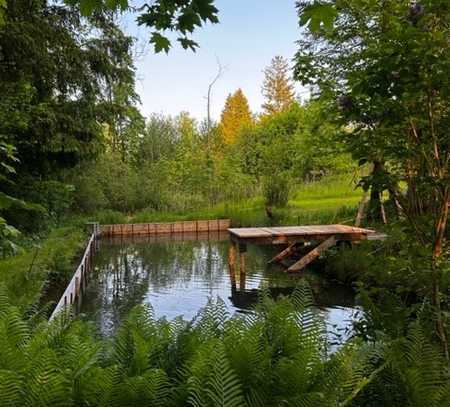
(330,200)
(26,274)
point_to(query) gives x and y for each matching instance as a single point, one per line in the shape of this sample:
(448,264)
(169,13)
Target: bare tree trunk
(208,98)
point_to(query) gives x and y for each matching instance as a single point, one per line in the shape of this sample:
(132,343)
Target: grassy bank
(26,274)
(331,200)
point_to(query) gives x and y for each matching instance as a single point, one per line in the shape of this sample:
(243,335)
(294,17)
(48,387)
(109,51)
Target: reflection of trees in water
(119,283)
(172,264)
(128,272)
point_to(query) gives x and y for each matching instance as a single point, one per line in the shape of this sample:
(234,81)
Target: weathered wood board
(196,226)
(293,234)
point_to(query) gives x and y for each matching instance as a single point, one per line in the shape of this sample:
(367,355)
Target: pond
(178,274)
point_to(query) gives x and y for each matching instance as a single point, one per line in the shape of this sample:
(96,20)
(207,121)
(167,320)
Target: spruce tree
(235,116)
(277,88)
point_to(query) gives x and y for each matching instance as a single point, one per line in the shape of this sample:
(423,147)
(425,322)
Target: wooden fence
(78,282)
(166,228)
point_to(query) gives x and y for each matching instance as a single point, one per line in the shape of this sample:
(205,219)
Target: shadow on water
(177,274)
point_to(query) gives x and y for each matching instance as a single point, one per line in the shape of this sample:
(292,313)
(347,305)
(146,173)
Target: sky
(249,34)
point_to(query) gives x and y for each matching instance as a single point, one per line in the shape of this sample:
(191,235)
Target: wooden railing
(76,285)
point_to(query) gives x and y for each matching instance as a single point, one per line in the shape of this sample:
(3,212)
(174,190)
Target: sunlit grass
(330,200)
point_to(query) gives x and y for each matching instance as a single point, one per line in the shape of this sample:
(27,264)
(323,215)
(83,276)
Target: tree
(54,99)
(277,87)
(118,98)
(386,66)
(235,116)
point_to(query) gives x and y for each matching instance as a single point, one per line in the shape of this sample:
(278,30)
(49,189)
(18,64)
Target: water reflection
(178,276)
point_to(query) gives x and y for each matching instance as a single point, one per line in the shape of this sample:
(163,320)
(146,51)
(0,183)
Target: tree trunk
(441,225)
(376,209)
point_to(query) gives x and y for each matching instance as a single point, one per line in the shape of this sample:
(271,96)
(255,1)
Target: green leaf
(187,43)
(160,42)
(318,15)
(87,7)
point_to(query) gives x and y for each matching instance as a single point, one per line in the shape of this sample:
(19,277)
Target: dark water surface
(178,276)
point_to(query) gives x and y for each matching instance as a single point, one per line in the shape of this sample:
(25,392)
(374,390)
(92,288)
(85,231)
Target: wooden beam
(313,254)
(285,253)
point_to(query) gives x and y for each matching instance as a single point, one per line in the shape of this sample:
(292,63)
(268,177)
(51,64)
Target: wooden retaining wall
(194,226)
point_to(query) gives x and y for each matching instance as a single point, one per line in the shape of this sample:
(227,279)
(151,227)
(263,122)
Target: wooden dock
(318,237)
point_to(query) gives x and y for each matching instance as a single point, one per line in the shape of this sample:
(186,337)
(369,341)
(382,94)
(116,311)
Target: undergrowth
(275,356)
(26,274)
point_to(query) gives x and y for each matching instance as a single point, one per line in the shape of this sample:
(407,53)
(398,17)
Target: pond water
(178,276)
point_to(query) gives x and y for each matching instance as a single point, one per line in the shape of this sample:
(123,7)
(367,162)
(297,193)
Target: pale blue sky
(249,34)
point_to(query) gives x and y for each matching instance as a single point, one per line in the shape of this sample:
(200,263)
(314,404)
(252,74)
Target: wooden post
(232,265)
(77,286)
(232,257)
(242,279)
(242,252)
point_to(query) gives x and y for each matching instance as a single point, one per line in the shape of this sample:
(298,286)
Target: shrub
(276,190)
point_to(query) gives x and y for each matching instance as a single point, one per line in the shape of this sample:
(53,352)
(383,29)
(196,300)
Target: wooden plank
(140,228)
(213,225)
(202,225)
(224,224)
(178,227)
(250,232)
(189,226)
(313,254)
(163,228)
(286,233)
(285,253)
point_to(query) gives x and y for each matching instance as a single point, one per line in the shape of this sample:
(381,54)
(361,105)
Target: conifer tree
(235,116)
(277,88)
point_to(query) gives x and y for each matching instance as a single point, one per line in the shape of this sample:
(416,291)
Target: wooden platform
(296,238)
(297,234)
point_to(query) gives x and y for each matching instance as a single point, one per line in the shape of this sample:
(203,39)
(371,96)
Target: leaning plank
(313,254)
(286,252)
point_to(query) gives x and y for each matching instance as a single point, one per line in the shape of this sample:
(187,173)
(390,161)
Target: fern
(219,387)
(273,356)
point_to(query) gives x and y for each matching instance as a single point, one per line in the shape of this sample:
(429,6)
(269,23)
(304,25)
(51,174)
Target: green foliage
(276,190)
(317,16)
(389,93)
(76,75)
(299,140)
(25,275)
(276,355)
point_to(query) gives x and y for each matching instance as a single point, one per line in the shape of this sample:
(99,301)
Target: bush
(276,190)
